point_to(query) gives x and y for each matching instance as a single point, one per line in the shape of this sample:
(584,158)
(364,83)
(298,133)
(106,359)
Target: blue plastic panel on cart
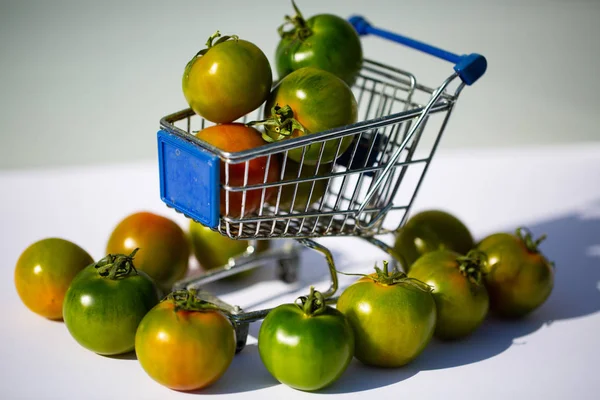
(189,178)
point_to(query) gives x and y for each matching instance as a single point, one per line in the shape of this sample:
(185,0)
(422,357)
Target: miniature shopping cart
(369,189)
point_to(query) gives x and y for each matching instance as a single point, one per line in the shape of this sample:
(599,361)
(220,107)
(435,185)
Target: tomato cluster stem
(116,266)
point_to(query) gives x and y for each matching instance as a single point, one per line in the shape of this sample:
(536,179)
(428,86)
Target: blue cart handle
(469,67)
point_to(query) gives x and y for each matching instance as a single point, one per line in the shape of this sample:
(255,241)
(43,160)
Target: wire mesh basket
(367,191)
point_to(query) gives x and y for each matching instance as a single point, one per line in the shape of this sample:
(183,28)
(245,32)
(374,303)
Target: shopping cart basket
(366,192)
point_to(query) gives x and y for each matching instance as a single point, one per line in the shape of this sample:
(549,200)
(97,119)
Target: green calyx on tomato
(518,276)
(313,304)
(461,299)
(187,300)
(388,278)
(116,266)
(393,317)
(307,345)
(211,39)
(471,265)
(527,238)
(281,123)
(106,302)
(324,41)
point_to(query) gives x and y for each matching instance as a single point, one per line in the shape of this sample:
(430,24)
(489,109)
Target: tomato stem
(299,31)
(281,121)
(116,266)
(187,300)
(395,277)
(313,304)
(527,237)
(211,39)
(471,265)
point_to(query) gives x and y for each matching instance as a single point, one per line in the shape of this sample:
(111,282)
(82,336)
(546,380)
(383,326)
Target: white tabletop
(551,354)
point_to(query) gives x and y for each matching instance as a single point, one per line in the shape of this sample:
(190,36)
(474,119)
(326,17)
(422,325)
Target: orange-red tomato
(44,272)
(183,349)
(163,246)
(234,138)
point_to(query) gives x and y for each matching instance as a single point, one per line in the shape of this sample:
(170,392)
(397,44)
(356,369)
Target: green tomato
(428,231)
(518,277)
(323,41)
(461,299)
(316,100)
(306,346)
(106,302)
(393,318)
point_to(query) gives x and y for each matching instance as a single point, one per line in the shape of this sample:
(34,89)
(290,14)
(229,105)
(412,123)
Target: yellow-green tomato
(461,299)
(213,250)
(306,348)
(393,319)
(44,272)
(227,80)
(518,277)
(185,344)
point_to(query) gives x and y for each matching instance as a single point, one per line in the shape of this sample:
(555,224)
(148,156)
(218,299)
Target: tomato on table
(519,278)
(393,317)
(428,231)
(185,343)
(164,249)
(324,41)
(306,101)
(44,272)
(106,302)
(234,138)
(307,345)
(227,80)
(460,296)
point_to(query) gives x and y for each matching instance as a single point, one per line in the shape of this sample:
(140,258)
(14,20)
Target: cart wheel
(287,270)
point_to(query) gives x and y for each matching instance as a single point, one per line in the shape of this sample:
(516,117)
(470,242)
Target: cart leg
(311,244)
(396,258)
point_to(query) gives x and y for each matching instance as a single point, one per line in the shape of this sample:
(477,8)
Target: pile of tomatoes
(318,59)
(123,303)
